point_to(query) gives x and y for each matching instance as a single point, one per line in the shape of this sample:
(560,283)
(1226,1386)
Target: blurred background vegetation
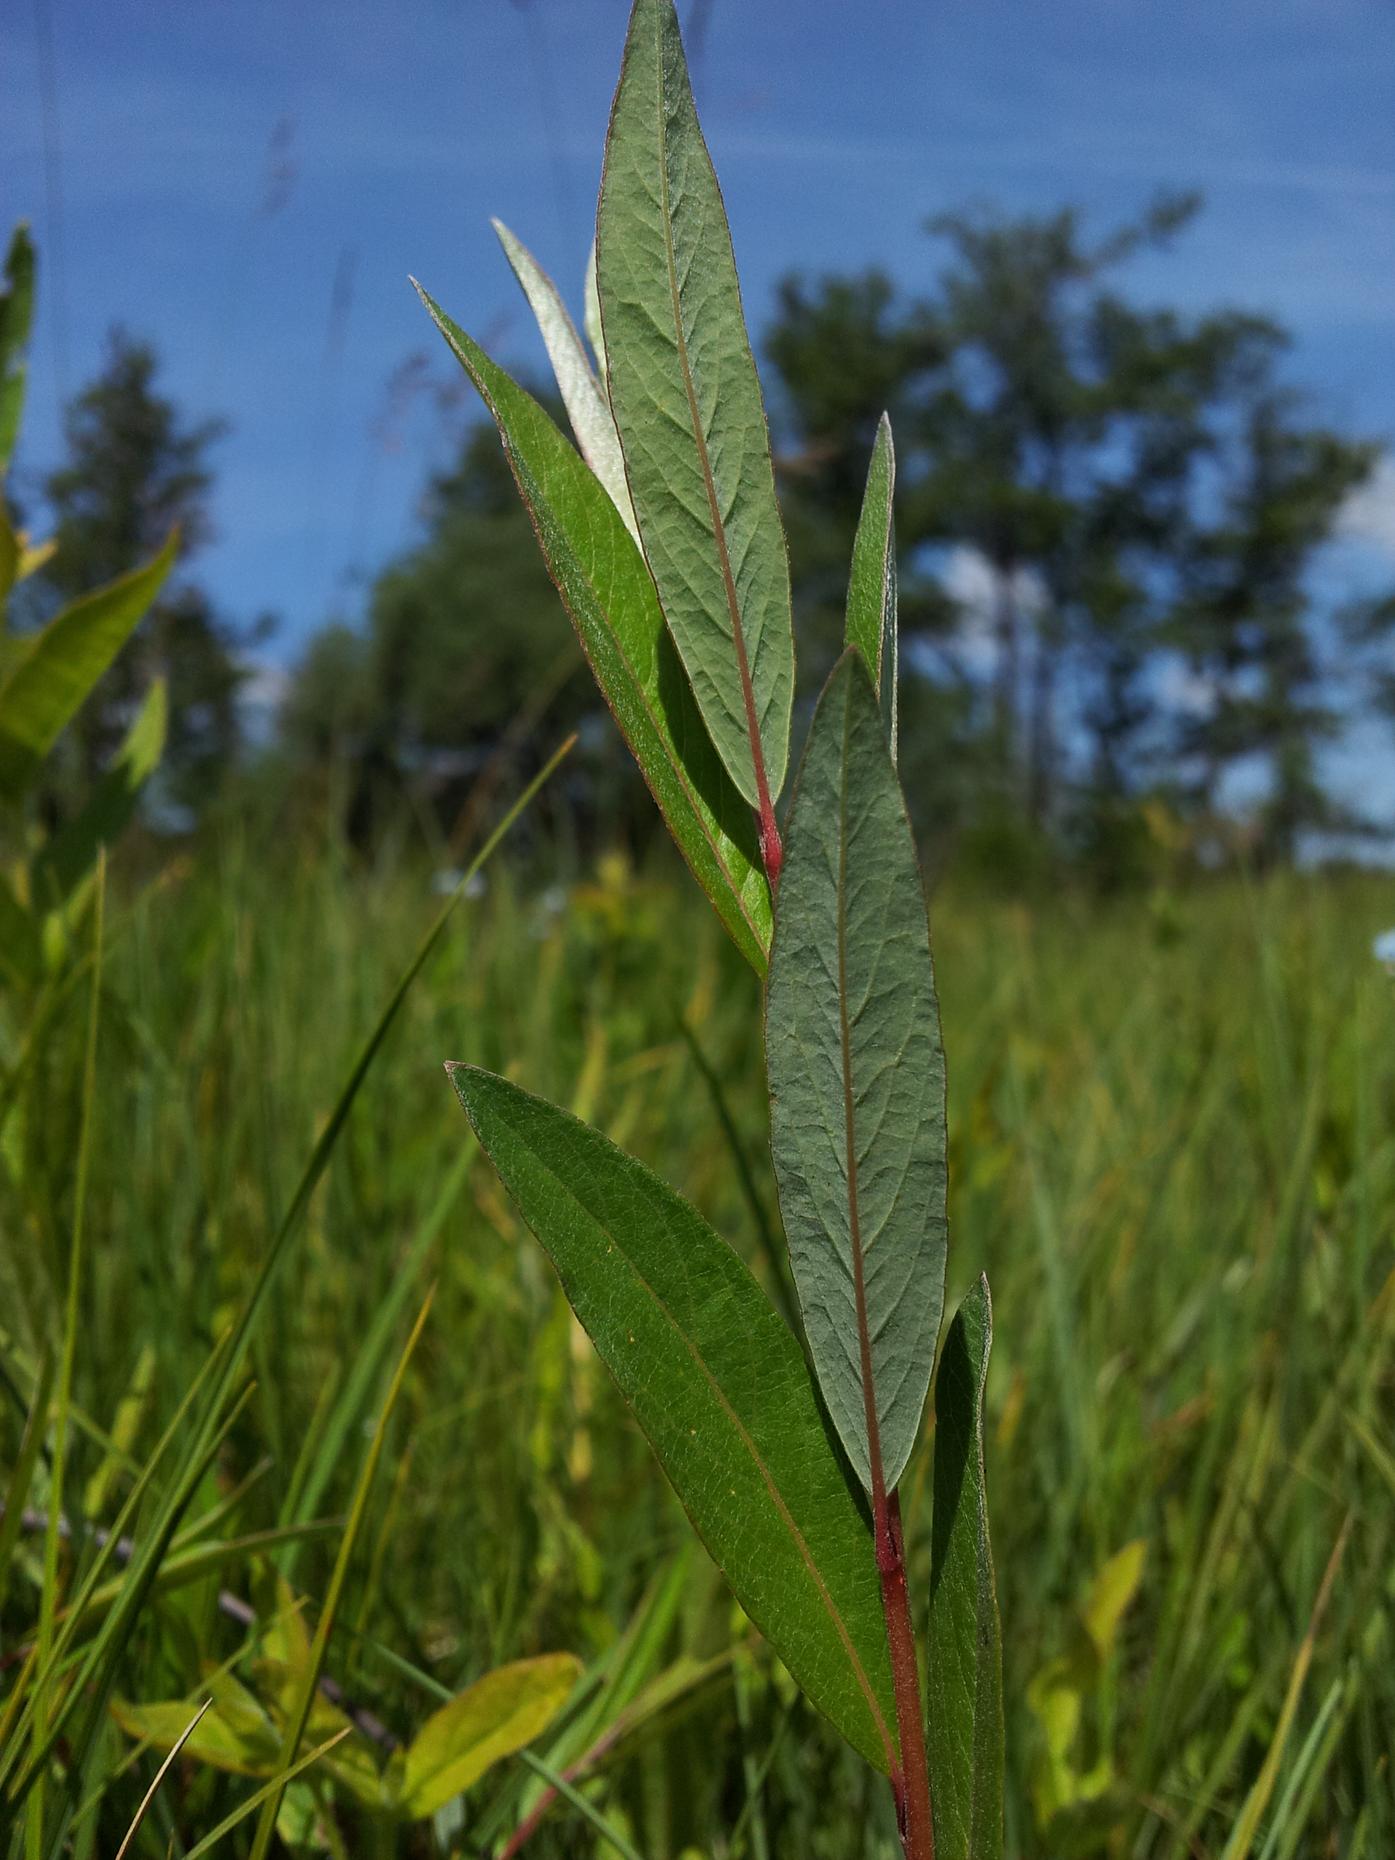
(1172,1098)
(1110,518)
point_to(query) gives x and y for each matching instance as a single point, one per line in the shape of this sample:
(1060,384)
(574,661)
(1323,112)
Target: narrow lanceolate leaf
(492,1719)
(719,1385)
(964,1661)
(857,1083)
(582,395)
(871,622)
(687,402)
(609,594)
(43,686)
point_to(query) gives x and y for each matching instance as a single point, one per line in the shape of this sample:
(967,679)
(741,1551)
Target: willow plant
(662,532)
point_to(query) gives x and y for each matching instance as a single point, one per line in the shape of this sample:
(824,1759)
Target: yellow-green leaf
(242,1741)
(492,1719)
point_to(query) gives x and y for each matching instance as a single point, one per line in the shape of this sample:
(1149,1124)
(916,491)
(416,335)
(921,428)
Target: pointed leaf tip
(871,616)
(609,595)
(687,405)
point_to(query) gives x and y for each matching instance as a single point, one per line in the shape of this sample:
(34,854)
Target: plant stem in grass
(910,1782)
(913,1800)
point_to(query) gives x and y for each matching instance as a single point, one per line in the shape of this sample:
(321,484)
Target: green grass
(1172,1148)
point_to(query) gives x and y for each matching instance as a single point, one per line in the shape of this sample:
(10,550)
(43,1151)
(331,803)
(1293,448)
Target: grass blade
(1242,1835)
(276,1787)
(587,1810)
(309,1680)
(22,1472)
(48,1601)
(159,1777)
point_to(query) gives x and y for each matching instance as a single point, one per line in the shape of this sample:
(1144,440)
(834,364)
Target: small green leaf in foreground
(44,686)
(491,1719)
(719,1385)
(609,594)
(857,1080)
(871,621)
(964,1658)
(687,403)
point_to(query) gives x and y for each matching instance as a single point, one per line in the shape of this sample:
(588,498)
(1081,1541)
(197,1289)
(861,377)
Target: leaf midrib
(522,471)
(864,1340)
(739,1426)
(679,772)
(748,696)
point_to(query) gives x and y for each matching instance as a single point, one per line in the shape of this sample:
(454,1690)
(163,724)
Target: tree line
(1108,517)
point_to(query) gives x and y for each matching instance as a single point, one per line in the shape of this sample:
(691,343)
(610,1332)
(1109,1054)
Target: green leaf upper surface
(609,594)
(687,403)
(586,404)
(491,1719)
(719,1385)
(45,684)
(964,1657)
(857,1077)
(871,621)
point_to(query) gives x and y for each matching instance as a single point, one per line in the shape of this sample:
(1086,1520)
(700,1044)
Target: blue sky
(836,128)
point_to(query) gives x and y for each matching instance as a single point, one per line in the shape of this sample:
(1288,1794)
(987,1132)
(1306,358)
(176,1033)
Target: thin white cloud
(1182,689)
(1368,515)
(977,590)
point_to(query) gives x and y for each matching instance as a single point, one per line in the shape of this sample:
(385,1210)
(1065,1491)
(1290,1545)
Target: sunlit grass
(1172,1147)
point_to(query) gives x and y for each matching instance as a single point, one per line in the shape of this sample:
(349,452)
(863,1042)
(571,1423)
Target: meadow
(1172,1147)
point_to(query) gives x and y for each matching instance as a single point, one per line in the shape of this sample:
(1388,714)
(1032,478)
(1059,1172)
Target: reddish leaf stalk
(912,1785)
(910,1781)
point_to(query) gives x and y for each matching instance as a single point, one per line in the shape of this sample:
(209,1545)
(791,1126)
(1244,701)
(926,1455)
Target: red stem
(912,1786)
(910,1782)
